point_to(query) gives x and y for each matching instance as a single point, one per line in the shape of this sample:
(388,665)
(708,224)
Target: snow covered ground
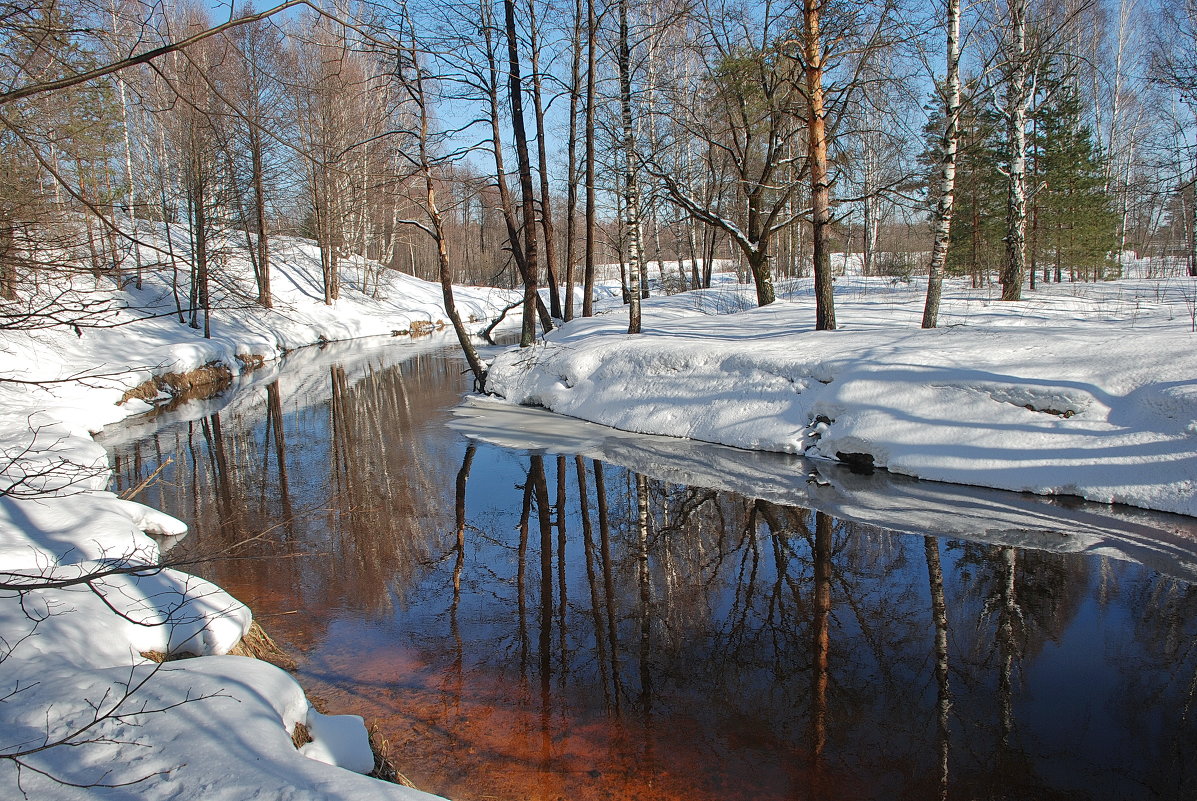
(1085,389)
(83,713)
(1080,389)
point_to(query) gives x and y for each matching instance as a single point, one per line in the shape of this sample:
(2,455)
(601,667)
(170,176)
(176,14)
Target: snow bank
(84,610)
(1082,389)
(1167,544)
(212,728)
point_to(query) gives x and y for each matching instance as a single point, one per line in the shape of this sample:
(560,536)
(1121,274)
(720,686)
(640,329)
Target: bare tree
(572,171)
(426,164)
(193,124)
(535,47)
(1174,61)
(329,77)
(255,91)
(515,97)
(743,114)
(591,159)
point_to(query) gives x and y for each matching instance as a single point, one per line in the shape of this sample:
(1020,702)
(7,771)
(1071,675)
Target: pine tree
(1075,225)
(977,224)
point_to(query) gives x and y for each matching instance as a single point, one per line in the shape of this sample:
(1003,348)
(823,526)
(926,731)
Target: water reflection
(539,623)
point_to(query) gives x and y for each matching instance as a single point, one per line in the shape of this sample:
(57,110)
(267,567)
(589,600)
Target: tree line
(528,143)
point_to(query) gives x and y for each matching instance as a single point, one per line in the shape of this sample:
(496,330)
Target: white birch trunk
(946,202)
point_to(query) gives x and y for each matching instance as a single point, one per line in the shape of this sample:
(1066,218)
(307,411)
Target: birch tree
(1017,91)
(1174,62)
(631,172)
(945,200)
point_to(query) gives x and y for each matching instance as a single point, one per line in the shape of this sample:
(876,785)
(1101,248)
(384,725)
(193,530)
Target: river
(529,607)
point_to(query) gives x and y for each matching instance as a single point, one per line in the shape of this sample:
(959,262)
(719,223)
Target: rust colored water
(521,625)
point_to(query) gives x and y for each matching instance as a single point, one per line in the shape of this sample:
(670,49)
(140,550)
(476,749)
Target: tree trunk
(819,172)
(200,257)
(1017,102)
(263,243)
(949,143)
(591,66)
(524,166)
(546,200)
(8,260)
(762,275)
(631,191)
(571,200)
(1193,232)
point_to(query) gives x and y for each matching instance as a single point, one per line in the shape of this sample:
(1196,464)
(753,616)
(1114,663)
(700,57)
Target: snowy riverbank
(1080,389)
(84,713)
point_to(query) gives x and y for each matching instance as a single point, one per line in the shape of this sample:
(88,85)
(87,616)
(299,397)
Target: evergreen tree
(1075,226)
(977,224)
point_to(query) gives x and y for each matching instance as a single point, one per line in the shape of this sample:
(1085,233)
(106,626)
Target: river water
(535,608)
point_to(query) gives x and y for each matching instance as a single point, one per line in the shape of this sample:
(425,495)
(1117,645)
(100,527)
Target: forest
(537,144)
(719,560)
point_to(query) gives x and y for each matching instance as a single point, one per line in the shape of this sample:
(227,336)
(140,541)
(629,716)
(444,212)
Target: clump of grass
(421,328)
(300,736)
(384,766)
(203,382)
(257,644)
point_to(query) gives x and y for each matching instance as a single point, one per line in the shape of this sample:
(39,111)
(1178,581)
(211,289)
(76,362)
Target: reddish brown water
(529,626)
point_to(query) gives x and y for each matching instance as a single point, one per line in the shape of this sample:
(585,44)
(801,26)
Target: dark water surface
(535,609)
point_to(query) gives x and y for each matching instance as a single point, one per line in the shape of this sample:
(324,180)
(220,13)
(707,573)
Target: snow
(80,697)
(215,727)
(339,740)
(1080,389)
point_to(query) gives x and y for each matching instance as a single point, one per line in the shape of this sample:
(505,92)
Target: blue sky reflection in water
(512,641)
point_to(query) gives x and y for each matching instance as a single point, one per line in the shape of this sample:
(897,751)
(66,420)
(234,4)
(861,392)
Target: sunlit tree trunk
(631,187)
(820,179)
(1017,102)
(949,143)
(546,199)
(571,200)
(591,210)
(515,96)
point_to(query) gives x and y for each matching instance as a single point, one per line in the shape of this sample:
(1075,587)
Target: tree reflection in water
(521,627)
